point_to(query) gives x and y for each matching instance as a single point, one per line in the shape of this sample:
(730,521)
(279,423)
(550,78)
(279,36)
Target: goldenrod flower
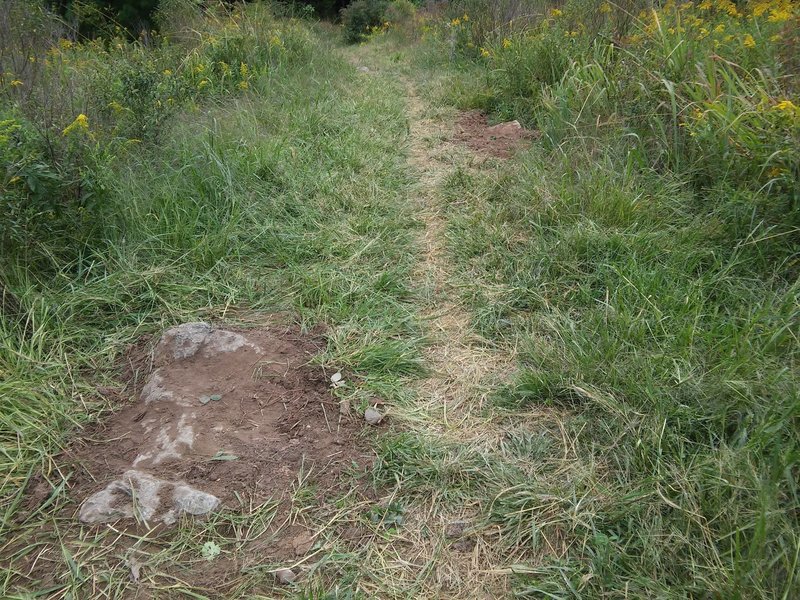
(605,7)
(786,106)
(81,123)
(748,41)
(202,84)
(243,85)
(485,53)
(166,72)
(455,22)
(16,83)
(506,43)
(556,12)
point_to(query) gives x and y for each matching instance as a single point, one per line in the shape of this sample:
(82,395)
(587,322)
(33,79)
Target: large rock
(146,498)
(185,341)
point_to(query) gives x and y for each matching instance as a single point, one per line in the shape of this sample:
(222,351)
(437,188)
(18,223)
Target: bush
(361,16)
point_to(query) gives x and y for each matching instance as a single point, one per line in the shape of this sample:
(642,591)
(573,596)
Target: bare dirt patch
(502,140)
(226,412)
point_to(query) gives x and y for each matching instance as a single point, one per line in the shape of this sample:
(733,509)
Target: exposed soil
(502,140)
(270,422)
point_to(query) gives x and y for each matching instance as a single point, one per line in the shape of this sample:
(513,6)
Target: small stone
(372,416)
(215,397)
(285,576)
(363,69)
(344,406)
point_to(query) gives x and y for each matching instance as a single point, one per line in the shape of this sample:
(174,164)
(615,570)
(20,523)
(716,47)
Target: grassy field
(588,352)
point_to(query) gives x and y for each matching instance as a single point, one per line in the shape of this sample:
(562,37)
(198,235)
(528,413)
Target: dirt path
(460,363)
(444,550)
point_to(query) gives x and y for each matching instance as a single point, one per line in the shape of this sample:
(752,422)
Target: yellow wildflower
(244,70)
(65,44)
(485,53)
(81,123)
(605,7)
(779,15)
(166,72)
(748,41)
(719,28)
(243,85)
(786,106)
(16,83)
(506,43)
(775,38)
(465,17)
(556,12)
(116,106)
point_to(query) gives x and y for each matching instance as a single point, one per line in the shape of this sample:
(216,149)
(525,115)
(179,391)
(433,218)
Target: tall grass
(230,165)
(642,259)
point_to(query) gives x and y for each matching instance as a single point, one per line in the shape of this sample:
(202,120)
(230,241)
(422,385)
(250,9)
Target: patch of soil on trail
(246,419)
(473,130)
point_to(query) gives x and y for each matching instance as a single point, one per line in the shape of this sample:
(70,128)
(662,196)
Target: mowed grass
(289,197)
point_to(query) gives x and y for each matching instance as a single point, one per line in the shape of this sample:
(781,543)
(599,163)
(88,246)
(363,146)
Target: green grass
(282,198)
(646,444)
(665,326)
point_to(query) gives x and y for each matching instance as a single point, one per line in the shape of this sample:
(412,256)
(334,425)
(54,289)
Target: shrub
(362,15)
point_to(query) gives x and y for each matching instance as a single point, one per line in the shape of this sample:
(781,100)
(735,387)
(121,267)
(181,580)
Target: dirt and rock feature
(501,140)
(221,412)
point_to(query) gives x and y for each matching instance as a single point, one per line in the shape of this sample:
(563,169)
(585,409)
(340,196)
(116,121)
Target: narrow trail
(460,363)
(451,405)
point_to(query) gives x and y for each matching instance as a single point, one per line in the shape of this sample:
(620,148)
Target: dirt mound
(501,140)
(222,413)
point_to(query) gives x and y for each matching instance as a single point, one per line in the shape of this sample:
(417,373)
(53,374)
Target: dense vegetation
(640,261)
(224,168)
(643,259)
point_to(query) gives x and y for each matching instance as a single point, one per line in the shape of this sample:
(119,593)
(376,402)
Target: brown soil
(276,415)
(502,140)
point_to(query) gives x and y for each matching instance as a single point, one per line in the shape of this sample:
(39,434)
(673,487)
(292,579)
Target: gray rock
(373,416)
(154,390)
(285,576)
(193,501)
(363,69)
(184,341)
(139,495)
